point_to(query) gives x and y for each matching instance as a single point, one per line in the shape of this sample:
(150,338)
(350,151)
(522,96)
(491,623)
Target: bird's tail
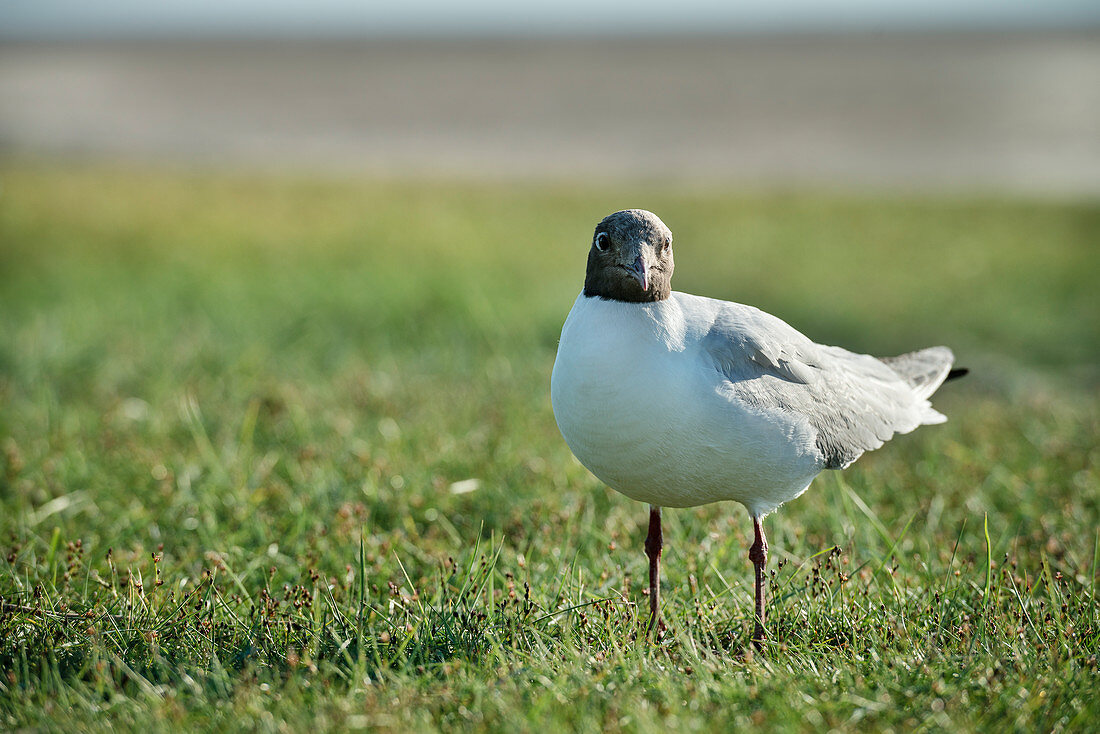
(957,372)
(926,369)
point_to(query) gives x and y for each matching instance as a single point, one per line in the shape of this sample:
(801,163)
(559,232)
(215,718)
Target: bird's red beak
(640,272)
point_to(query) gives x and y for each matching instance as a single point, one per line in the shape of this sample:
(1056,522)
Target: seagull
(678,400)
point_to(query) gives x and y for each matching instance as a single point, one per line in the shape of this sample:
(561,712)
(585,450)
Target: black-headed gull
(679,400)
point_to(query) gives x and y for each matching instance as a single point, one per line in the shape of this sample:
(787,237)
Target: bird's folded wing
(854,402)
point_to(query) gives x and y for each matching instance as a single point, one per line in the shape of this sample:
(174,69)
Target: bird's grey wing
(924,370)
(854,402)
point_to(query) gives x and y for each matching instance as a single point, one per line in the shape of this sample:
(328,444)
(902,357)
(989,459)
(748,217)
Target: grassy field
(278,453)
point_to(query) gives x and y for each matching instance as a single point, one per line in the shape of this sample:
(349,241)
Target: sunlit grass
(279,452)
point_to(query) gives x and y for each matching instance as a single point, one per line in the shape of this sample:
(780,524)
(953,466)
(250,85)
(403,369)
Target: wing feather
(853,401)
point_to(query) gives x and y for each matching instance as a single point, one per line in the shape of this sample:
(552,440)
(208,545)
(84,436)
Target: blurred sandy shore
(1017,112)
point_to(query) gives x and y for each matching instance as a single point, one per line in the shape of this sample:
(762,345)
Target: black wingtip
(956,373)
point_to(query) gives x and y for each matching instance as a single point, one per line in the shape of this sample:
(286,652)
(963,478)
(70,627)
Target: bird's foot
(758,636)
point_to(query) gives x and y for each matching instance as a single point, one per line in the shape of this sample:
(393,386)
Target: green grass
(233,411)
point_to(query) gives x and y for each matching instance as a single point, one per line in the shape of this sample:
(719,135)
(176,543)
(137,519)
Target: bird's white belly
(641,410)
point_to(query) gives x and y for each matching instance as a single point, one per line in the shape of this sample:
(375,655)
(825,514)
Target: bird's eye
(603,241)
(668,244)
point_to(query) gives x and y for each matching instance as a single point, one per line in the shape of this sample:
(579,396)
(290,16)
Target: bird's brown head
(630,258)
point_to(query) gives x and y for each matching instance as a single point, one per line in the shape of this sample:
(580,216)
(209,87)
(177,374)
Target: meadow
(277,453)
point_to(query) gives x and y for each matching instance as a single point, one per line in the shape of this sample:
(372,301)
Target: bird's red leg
(758,554)
(653,543)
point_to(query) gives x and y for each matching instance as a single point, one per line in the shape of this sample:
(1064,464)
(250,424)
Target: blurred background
(995,96)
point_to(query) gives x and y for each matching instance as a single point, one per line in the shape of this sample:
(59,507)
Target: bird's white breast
(642,406)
